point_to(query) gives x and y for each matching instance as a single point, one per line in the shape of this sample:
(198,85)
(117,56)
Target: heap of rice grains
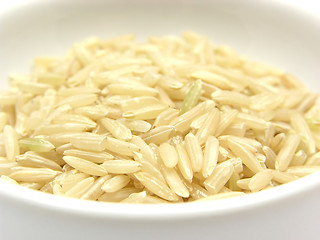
(169,120)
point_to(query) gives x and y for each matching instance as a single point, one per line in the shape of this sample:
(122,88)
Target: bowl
(283,33)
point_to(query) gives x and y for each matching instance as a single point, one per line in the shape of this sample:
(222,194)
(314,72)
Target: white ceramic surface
(282,33)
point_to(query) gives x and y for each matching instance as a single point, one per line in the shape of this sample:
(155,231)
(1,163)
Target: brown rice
(169,120)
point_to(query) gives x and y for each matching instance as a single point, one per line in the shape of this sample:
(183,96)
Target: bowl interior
(275,32)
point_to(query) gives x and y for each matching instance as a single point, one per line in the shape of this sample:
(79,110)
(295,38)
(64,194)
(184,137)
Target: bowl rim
(160,212)
(309,7)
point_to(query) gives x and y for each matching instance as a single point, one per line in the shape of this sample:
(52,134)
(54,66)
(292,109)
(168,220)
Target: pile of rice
(170,120)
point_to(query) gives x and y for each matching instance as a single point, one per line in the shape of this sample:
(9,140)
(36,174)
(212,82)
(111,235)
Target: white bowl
(281,33)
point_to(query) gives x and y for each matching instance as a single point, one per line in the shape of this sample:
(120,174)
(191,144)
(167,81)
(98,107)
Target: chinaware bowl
(283,33)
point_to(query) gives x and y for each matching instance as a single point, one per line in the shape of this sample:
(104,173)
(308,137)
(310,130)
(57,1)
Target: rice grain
(157,187)
(219,177)
(287,152)
(210,158)
(121,166)
(80,188)
(184,163)
(209,126)
(168,155)
(96,157)
(260,180)
(117,129)
(85,166)
(33,175)
(246,156)
(115,183)
(175,182)
(121,147)
(10,142)
(194,152)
